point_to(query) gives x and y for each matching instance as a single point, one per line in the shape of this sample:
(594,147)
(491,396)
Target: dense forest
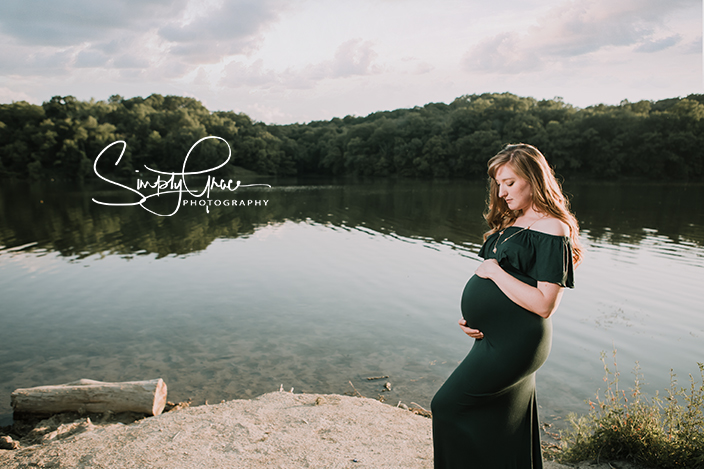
(648,139)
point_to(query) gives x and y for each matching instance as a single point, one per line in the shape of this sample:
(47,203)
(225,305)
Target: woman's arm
(542,300)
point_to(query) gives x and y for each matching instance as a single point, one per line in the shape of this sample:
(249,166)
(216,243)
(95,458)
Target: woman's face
(515,190)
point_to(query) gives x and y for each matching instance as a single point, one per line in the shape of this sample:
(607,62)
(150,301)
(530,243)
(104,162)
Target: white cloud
(503,52)
(268,113)
(130,61)
(91,58)
(26,61)
(238,74)
(574,29)
(693,47)
(656,45)
(354,57)
(234,28)
(161,34)
(7,96)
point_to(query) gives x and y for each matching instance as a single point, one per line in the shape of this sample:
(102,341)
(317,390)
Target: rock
(6,442)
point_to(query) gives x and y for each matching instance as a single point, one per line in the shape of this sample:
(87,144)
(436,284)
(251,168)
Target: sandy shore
(275,430)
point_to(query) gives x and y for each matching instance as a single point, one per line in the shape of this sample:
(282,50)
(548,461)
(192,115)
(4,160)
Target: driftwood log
(86,395)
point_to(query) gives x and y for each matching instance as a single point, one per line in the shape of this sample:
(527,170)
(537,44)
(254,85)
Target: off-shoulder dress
(486,413)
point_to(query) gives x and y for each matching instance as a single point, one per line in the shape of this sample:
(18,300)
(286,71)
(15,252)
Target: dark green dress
(486,414)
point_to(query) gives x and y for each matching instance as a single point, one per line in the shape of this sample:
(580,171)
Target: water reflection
(630,212)
(56,217)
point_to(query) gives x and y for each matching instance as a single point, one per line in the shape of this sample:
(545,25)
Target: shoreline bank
(277,429)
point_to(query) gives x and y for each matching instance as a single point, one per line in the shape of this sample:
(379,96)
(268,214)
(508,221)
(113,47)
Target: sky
(303,60)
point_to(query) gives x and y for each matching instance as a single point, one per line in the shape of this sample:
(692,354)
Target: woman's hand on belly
(473,333)
(488,269)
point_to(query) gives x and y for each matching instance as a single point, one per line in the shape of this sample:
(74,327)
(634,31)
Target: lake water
(326,285)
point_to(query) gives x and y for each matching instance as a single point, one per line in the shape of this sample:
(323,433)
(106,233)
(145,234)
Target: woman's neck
(528,217)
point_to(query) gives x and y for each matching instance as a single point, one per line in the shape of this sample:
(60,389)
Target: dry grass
(627,425)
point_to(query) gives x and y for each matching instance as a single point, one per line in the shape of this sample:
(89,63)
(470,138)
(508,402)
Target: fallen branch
(86,395)
(371,378)
(355,389)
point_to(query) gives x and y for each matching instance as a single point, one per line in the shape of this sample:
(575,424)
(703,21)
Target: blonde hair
(528,163)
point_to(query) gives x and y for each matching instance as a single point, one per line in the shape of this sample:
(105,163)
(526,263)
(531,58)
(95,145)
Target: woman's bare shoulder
(552,226)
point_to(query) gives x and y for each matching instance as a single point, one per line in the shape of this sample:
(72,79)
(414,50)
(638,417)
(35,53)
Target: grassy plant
(662,432)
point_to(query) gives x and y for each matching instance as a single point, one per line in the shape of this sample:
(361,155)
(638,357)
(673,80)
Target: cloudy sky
(302,60)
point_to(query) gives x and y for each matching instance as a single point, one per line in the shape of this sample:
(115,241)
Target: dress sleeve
(485,250)
(553,261)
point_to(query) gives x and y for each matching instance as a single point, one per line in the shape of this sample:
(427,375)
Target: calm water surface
(328,284)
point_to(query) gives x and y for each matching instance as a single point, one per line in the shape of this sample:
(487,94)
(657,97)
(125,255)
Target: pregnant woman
(486,414)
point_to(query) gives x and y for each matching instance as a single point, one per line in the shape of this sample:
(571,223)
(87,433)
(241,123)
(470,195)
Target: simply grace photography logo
(168,183)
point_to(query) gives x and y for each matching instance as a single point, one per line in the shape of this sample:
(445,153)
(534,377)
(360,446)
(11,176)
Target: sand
(275,430)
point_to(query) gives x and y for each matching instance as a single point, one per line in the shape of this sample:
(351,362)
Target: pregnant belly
(484,305)
(507,327)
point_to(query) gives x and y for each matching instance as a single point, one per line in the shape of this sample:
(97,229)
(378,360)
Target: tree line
(648,139)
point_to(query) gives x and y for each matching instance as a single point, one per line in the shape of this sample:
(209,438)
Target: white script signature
(172,182)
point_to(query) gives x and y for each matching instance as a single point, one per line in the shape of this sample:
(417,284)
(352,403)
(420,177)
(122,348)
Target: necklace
(514,234)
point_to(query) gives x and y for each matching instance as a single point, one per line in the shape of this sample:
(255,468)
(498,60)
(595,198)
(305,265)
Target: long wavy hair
(528,163)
